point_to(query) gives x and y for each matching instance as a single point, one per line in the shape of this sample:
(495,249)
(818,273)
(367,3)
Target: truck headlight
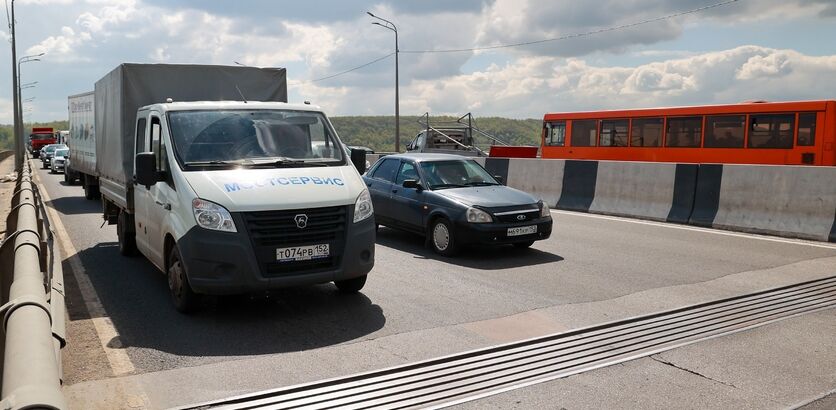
(363,207)
(212,216)
(478,216)
(544,209)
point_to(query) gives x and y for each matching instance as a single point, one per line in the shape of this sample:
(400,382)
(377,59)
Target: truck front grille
(270,230)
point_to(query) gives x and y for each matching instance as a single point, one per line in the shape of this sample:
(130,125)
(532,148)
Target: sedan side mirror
(146,168)
(499,179)
(412,183)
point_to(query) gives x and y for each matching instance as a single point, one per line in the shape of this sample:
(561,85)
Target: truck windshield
(257,137)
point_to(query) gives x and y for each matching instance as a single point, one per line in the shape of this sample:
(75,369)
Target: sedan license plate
(303,253)
(522,230)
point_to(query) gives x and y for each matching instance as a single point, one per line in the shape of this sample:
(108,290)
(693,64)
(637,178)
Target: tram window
(771,131)
(807,129)
(684,132)
(647,132)
(725,131)
(614,133)
(584,133)
(556,134)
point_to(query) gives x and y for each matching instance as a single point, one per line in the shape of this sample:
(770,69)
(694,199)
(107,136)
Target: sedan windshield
(456,174)
(62,152)
(258,137)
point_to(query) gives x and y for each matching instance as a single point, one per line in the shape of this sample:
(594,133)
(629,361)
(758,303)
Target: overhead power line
(576,35)
(349,70)
(528,43)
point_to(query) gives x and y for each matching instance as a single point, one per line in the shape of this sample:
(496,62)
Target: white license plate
(303,253)
(522,230)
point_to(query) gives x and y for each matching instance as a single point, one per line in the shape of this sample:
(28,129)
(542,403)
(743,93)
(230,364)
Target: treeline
(6,131)
(378,133)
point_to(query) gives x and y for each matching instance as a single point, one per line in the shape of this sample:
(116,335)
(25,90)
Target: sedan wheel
(442,238)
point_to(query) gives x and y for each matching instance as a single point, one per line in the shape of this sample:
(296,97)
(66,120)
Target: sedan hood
(488,196)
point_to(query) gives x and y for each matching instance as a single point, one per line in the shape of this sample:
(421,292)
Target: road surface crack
(665,362)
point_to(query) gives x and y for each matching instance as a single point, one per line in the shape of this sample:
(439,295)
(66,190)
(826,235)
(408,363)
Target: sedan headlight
(212,216)
(478,216)
(363,207)
(544,209)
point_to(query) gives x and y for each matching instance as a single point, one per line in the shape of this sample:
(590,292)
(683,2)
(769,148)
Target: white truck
(82,143)
(226,188)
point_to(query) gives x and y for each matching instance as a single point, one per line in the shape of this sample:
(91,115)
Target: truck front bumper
(222,263)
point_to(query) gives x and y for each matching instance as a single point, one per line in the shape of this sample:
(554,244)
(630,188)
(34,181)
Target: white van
(238,197)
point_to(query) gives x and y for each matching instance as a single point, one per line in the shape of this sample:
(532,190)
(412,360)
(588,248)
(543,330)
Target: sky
(775,50)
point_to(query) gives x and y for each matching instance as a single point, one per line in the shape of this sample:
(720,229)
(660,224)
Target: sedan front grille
(515,214)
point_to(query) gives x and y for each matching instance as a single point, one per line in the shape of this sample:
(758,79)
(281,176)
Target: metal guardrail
(33,310)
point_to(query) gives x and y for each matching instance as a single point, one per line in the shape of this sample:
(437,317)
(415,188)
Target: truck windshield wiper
(287,163)
(217,162)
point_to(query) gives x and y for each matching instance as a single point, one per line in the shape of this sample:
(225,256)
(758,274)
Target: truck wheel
(442,239)
(127,240)
(351,285)
(88,190)
(184,298)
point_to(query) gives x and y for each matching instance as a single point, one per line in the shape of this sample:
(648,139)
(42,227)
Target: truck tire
(184,298)
(88,190)
(127,239)
(352,285)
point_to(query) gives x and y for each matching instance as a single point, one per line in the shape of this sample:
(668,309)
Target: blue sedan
(455,202)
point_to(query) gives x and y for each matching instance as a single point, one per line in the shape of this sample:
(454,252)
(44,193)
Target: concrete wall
(638,189)
(790,201)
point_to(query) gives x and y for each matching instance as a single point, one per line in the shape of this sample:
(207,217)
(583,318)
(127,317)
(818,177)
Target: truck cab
(240,197)
(444,141)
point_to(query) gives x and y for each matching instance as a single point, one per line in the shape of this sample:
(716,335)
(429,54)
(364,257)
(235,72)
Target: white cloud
(532,86)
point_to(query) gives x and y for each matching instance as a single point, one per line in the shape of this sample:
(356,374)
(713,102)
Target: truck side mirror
(358,158)
(146,168)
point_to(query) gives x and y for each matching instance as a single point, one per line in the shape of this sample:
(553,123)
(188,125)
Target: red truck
(39,138)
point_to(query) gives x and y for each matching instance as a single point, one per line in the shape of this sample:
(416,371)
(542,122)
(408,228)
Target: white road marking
(116,355)
(699,229)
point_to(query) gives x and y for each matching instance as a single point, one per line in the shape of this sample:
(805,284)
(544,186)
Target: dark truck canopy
(121,92)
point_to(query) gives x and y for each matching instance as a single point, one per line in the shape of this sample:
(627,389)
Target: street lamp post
(16,110)
(391,26)
(19,88)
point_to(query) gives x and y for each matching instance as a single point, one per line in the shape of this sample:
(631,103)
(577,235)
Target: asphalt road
(415,305)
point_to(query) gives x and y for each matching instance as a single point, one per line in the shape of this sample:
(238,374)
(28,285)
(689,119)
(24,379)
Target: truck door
(141,193)
(158,197)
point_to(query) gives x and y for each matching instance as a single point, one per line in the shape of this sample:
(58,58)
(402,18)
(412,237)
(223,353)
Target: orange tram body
(773,133)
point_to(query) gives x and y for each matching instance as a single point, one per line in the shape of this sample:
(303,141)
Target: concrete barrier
(793,201)
(527,175)
(638,189)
